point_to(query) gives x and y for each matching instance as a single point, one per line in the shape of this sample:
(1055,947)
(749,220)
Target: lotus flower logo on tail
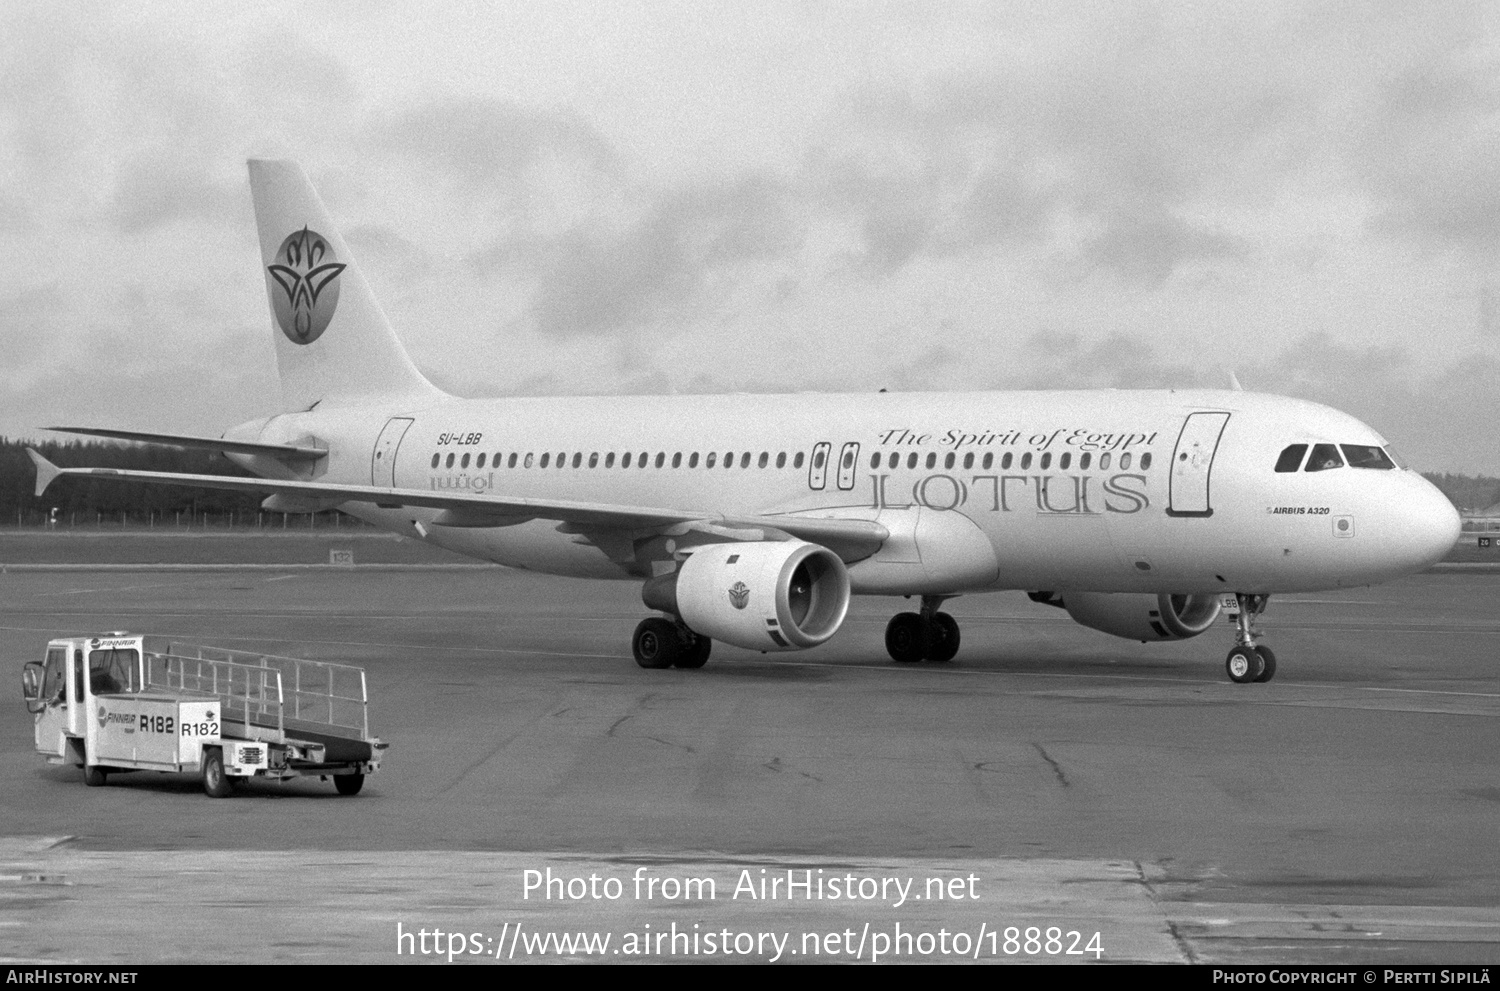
(739,595)
(307,273)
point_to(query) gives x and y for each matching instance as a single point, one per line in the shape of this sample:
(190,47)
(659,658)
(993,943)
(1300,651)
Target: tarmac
(1048,785)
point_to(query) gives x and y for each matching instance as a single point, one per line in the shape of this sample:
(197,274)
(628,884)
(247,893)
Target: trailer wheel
(215,781)
(349,784)
(94,775)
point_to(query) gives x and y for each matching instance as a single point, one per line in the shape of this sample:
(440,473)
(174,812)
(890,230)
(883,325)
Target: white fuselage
(1104,491)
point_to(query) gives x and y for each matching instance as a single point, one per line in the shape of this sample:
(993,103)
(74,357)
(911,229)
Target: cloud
(487,147)
(162,187)
(656,268)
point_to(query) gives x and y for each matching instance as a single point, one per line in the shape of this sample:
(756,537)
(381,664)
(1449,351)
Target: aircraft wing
(468,509)
(287,452)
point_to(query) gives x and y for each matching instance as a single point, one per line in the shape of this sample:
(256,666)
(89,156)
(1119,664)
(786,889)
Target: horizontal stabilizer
(46,471)
(286,452)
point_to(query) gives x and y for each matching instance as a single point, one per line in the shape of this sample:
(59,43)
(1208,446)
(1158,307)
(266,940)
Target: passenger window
(1145,461)
(765,459)
(728,459)
(562,459)
(1324,457)
(948,461)
(464,461)
(661,458)
(797,461)
(969,460)
(932,460)
(1366,457)
(693,460)
(710,460)
(496,460)
(781,459)
(435,459)
(911,460)
(512,462)
(1104,461)
(817,460)
(545,458)
(677,460)
(449,462)
(594,460)
(1125,461)
(577,458)
(480,462)
(609,460)
(874,460)
(645,459)
(745,459)
(1083,462)
(1046,461)
(1291,458)
(1006,461)
(989,458)
(1026,461)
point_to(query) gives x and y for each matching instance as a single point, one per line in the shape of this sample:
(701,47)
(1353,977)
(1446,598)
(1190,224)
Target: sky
(572,197)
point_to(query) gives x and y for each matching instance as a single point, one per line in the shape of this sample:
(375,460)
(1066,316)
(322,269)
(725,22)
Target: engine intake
(760,595)
(1143,617)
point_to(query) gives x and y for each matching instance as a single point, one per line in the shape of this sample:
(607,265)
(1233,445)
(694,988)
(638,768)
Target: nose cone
(1429,524)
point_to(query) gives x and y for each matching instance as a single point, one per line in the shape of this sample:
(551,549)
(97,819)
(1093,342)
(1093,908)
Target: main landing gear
(661,643)
(928,635)
(1249,661)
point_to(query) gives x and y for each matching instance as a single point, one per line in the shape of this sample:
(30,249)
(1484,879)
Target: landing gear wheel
(94,776)
(942,638)
(656,643)
(348,784)
(695,651)
(1244,665)
(906,638)
(1268,662)
(215,781)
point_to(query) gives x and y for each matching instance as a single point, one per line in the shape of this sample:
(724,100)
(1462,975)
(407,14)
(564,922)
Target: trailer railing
(265,689)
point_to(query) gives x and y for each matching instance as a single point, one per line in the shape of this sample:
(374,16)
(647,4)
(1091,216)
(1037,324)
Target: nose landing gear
(1249,661)
(928,635)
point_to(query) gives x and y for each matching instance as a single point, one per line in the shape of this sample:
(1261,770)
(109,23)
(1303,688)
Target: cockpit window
(1291,458)
(1360,456)
(1324,456)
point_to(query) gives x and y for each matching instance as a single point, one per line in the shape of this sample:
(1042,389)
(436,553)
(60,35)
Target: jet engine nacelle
(760,595)
(1143,617)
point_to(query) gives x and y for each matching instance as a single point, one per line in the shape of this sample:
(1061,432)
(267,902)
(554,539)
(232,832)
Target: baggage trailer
(121,702)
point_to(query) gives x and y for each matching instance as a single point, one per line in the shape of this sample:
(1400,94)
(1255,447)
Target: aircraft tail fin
(333,342)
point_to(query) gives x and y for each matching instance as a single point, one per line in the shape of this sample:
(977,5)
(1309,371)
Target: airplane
(752,519)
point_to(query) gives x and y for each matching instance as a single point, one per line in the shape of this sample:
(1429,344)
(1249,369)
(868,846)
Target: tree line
(85,499)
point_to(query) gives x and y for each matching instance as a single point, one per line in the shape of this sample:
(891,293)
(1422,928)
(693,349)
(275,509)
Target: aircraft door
(52,716)
(848,465)
(817,468)
(383,461)
(1192,464)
